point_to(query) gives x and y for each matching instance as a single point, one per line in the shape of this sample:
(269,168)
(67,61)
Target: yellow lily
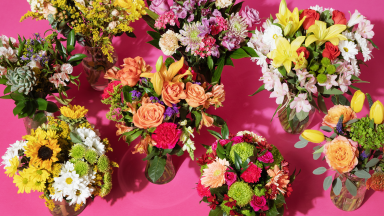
(164,76)
(377,112)
(322,34)
(314,136)
(358,101)
(285,53)
(290,21)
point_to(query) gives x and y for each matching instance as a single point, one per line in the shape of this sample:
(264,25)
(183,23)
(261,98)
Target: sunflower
(43,153)
(73,112)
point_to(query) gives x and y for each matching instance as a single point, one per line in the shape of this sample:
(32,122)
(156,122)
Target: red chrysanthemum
(206,159)
(166,135)
(109,89)
(202,190)
(213,202)
(231,202)
(272,191)
(252,174)
(288,191)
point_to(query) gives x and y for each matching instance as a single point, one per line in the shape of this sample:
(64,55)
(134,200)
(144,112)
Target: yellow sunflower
(43,153)
(11,170)
(73,112)
(23,182)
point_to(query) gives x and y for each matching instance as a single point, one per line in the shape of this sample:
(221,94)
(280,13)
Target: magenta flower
(230,177)
(266,158)
(259,203)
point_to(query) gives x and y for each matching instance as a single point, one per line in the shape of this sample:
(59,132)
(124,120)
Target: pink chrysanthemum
(202,190)
(252,174)
(109,89)
(166,135)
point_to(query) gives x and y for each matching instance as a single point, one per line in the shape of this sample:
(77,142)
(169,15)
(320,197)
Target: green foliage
(277,157)
(367,137)
(241,192)
(244,150)
(226,208)
(260,190)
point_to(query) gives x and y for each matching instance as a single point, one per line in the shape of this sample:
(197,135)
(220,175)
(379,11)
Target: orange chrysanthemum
(214,175)
(278,178)
(376,182)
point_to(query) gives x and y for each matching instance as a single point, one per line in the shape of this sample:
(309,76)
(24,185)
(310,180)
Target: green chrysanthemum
(225,208)
(241,192)
(244,150)
(107,177)
(103,163)
(77,151)
(277,157)
(91,156)
(81,168)
(259,190)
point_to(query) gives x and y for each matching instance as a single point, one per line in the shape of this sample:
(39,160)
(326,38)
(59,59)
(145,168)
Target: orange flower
(149,115)
(341,154)
(205,120)
(122,128)
(132,68)
(195,95)
(142,146)
(138,63)
(376,182)
(217,96)
(278,178)
(111,73)
(334,114)
(172,93)
(214,175)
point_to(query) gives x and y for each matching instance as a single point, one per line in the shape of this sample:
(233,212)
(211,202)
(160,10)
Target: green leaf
(352,121)
(228,61)
(215,134)
(273,211)
(52,107)
(369,98)
(301,144)
(70,48)
(7,90)
(151,14)
(154,43)
(321,103)
(216,212)
(316,156)
(169,61)
(354,87)
(16,96)
(319,170)
(175,150)
(373,44)
(134,136)
(282,71)
(236,8)
(337,187)
(224,131)
(327,182)
(127,93)
(372,162)
(280,199)
(20,106)
(351,187)
(239,53)
(251,51)
(3,81)
(238,161)
(220,151)
(210,63)
(76,57)
(319,150)
(197,115)
(302,115)
(261,88)
(6,97)
(363,174)
(154,35)
(75,138)
(40,117)
(332,91)
(156,168)
(326,128)
(218,71)
(42,104)
(149,21)
(71,39)
(130,34)
(150,155)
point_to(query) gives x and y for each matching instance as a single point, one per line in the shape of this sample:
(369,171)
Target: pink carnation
(202,190)
(109,89)
(230,177)
(237,139)
(259,203)
(166,135)
(266,158)
(251,174)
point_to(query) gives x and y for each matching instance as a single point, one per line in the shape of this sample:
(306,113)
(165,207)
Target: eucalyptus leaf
(75,138)
(319,151)
(372,162)
(351,187)
(337,187)
(326,128)
(302,115)
(301,144)
(327,182)
(316,156)
(352,121)
(319,170)
(362,174)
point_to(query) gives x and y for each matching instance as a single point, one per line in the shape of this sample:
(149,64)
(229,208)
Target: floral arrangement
(244,175)
(208,34)
(65,159)
(353,149)
(314,55)
(158,107)
(34,68)
(95,22)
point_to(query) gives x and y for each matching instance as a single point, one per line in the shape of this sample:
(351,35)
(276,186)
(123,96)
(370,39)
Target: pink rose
(66,68)
(266,158)
(259,203)
(222,142)
(166,135)
(159,6)
(230,177)
(251,16)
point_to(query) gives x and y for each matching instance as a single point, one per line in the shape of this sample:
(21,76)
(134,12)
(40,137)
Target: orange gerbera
(42,153)
(214,175)
(278,178)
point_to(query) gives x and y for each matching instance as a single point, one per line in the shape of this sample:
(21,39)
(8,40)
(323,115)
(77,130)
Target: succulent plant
(21,79)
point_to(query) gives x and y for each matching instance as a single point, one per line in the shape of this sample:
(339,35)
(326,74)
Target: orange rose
(138,63)
(111,73)
(195,95)
(172,93)
(132,68)
(149,115)
(334,114)
(341,154)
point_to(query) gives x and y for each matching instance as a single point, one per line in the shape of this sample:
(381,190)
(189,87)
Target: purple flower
(154,99)
(259,203)
(136,95)
(205,12)
(216,13)
(202,2)
(251,16)
(198,83)
(159,6)
(191,18)
(231,42)
(266,158)
(365,154)
(179,11)
(230,177)
(170,111)
(189,5)
(215,51)
(205,28)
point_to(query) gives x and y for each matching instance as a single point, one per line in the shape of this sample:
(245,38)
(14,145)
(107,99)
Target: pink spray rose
(259,203)
(230,178)
(166,135)
(266,158)
(251,16)
(159,6)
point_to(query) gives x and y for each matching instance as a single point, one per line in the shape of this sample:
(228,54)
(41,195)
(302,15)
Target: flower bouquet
(34,68)
(207,34)
(244,175)
(158,107)
(353,149)
(65,159)
(95,24)
(308,55)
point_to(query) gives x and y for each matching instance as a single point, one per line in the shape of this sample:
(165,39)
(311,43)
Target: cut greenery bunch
(354,146)
(34,68)
(244,175)
(207,34)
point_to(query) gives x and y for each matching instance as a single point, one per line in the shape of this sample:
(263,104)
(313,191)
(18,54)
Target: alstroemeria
(344,82)
(269,79)
(331,81)
(289,20)
(355,18)
(322,34)
(285,52)
(365,29)
(302,75)
(311,84)
(301,103)
(279,92)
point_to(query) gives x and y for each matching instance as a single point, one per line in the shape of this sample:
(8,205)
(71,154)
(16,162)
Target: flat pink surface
(131,193)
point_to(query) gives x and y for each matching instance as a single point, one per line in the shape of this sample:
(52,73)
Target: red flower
(213,201)
(285,166)
(311,16)
(206,159)
(185,68)
(331,51)
(248,138)
(166,135)
(288,191)
(339,17)
(252,174)
(272,191)
(231,202)
(202,190)
(303,49)
(264,145)
(233,212)
(109,89)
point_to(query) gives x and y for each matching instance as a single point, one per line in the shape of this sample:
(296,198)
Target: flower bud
(159,63)
(377,112)
(314,136)
(288,28)
(358,101)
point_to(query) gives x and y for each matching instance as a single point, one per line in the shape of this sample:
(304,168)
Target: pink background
(131,193)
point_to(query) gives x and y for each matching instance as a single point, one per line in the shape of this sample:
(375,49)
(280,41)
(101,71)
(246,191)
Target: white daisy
(58,196)
(84,133)
(12,151)
(80,195)
(317,8)
(94,142)
(271,34)
(67,167)
(261,60)
(348,35)
(348,50)
(68,182)
(356,68)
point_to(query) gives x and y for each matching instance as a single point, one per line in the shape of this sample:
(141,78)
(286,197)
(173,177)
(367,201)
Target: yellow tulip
(290,21)
(314,136)
(377,112)
(358,101)
(322,34)
(164,76)
(285,53)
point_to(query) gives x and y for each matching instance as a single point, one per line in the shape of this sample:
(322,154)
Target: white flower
(356,68)
(67,167)
(68,182)
(34,64)
(84,133)
(94,142)
(12,151)
(363,44)
(331,81)
(279,92)
(302,75)
(267,24)
(269,78)
(189,146)
(115,12)
(3,71)
(183,123)
(317,8)
(348,35)
(36,5)
(261,60)
(169,42)
(8,53)
(301,103)
(348,50)
(112,25)
(355,18)
(271,34)
(67,68)
(80,195)
(365,29)
(80,2)
(57,196)
(223,3)
(344,82)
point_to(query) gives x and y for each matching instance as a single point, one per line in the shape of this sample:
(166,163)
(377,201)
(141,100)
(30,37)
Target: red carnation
(109,90)
(251,174)
(166,135)
(303,49)
(311,16)
(339,17)
(331,51)
(202,190)
(248,138)
(185,68)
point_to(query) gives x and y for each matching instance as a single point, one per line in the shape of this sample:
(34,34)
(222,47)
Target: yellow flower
(37,174)
(73,112)
(290,21)
(11,170)
(38,186)
(314,136)
(322,34)
(285,53)
(164,76)
(377,112)
(56,170)
(42,153)
(22,182)
(301,62)
(358,101)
